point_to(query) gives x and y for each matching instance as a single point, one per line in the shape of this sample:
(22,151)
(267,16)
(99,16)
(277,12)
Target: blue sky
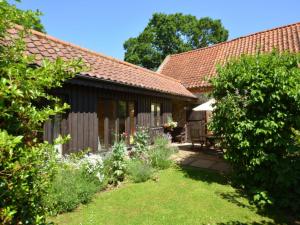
(104,25)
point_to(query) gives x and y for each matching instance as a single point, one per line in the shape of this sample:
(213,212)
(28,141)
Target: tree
(170,34)
(31,18)
(25,160)
(256,115)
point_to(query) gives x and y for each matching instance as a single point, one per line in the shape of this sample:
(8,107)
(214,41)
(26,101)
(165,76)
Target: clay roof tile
(193,68)
(103,67)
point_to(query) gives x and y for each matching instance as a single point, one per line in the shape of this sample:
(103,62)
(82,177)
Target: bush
(25,173)
(25,161)
(140,143)
(257,105)
(77,179)
(160,153)
(115,164)
(70,187)
(139,171)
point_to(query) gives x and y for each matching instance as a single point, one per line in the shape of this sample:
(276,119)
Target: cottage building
(113,96)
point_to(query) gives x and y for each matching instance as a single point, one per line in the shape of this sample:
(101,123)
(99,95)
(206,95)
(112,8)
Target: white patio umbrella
(207,106)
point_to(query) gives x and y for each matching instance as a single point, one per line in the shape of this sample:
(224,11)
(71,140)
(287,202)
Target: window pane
(155,114)
(152,114)
(158,115)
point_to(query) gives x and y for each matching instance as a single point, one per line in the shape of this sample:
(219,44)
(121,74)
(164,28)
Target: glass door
(115,119)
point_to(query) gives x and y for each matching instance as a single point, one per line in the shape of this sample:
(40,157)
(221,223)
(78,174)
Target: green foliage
(115,164)
(78,177)
(140,142)
(160,153)
(24,175)
(170,34)
(11,15)
(25,162)
(258,105)
(30,19)
(70,187)
(139,170)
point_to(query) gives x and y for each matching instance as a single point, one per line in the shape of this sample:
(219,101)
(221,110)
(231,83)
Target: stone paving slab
(201,160)
(187,161)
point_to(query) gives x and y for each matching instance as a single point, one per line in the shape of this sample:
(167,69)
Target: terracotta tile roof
(193,68)
(101,66)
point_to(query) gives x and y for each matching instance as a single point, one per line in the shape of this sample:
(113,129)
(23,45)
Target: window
(115,117)
(155,114)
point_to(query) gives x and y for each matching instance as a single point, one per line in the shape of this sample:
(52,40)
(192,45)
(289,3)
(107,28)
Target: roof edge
(84,76)
(161,66)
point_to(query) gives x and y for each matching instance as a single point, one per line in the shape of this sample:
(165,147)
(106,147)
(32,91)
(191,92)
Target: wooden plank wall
(81,122)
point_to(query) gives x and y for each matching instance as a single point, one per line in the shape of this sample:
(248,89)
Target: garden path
(200,157)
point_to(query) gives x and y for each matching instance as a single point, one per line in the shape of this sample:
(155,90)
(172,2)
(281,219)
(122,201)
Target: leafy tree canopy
(29,19)
(170,34)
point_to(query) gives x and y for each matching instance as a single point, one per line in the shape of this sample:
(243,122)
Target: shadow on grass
(204,175)
(235,197)
(240,223)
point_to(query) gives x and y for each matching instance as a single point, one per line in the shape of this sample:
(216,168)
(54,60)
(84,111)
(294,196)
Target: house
(115,96)
(111,98)
(195,68)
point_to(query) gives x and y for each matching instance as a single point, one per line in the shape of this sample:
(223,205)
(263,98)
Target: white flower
(100,176)
(92,163)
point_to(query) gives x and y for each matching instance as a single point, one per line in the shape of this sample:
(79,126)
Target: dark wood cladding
(81,121)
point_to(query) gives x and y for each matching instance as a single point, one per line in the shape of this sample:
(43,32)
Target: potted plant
(170,125)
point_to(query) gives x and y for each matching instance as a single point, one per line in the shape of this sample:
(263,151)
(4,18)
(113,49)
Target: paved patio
(200,157)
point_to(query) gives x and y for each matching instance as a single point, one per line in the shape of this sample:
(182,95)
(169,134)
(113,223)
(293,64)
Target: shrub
(115,164)
(140,142)
(139,171)
(25,161)
(70,187)
(25,173)
(78,177)
(257,105)
(160,153)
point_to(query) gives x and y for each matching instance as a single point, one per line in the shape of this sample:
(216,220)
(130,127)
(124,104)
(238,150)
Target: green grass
(180,196)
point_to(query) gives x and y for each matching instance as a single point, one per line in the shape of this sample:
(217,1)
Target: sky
(103,26)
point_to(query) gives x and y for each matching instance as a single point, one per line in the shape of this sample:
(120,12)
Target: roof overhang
(86,80)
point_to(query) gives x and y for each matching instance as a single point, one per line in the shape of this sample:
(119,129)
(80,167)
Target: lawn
(179,196)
